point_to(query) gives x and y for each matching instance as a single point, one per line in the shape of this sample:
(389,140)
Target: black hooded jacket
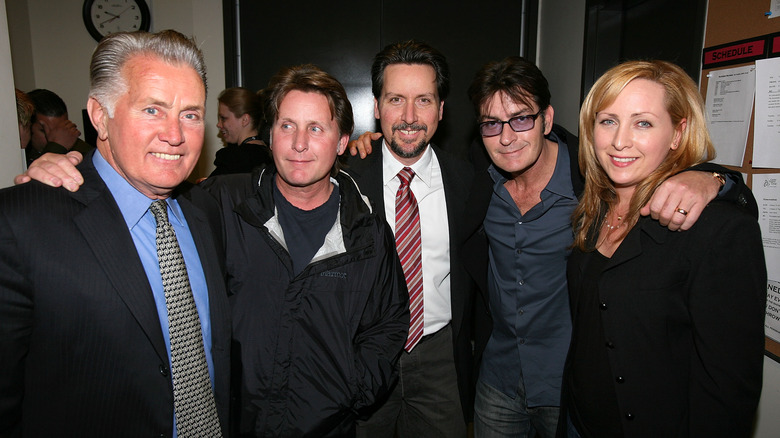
(314,348)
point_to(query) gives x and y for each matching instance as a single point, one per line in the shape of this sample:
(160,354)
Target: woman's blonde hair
(683,103)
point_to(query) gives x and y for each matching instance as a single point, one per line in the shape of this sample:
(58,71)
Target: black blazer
(457,176)
(683,318)
(81,348)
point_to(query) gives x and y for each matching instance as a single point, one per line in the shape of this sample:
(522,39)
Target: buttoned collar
(132,204)
(560,181)
(423,168)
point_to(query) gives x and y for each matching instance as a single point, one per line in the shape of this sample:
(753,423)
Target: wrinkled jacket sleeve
(727,303)
(16,313)
(384,324)
(738,192)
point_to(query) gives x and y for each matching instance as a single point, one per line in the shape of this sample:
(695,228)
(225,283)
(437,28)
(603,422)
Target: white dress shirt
(428,188)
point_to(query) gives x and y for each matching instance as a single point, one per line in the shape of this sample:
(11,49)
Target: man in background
(51,129)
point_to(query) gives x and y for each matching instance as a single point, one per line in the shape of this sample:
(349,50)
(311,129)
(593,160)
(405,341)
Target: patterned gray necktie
(196,412)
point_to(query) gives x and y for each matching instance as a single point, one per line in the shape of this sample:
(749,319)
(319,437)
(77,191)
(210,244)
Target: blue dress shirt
(143,229)
(527,287)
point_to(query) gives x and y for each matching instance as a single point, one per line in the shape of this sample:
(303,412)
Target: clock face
(104,17)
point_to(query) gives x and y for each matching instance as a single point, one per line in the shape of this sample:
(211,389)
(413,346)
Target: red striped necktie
(409,245)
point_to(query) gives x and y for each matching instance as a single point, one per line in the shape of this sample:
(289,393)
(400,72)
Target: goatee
(417,150)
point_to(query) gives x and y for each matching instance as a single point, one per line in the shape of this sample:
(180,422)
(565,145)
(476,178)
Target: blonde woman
(667,327)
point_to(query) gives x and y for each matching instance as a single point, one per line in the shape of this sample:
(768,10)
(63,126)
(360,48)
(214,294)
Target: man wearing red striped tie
(422,190)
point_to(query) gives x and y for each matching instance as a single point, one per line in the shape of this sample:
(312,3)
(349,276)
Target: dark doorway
(343,37)
(622,30)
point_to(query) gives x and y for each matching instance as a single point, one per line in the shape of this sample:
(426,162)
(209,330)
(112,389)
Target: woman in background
(239,119)
(668,334)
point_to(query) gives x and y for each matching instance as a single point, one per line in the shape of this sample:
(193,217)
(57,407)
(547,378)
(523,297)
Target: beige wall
(51,49)
(10,152)
(768,423)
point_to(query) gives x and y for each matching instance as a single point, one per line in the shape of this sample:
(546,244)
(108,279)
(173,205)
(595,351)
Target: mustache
(410,127)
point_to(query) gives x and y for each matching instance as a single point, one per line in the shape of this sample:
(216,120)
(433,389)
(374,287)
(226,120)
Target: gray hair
(105,71)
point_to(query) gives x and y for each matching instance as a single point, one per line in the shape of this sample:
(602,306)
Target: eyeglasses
(491,128)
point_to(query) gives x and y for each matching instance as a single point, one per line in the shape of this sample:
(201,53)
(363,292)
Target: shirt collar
(132,203)
(423,168)
(560,182)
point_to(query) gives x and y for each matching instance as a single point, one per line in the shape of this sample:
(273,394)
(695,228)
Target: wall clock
(103,17)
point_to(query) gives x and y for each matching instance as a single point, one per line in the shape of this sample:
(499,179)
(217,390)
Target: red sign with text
(735,53)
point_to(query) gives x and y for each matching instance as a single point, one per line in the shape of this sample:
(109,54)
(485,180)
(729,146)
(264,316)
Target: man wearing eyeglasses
(526,217)
(519,219)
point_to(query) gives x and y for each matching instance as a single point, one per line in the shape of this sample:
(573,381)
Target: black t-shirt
(305,230)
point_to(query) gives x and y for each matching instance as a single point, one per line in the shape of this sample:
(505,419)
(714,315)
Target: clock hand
(125,10)
(114,17)
(110,19)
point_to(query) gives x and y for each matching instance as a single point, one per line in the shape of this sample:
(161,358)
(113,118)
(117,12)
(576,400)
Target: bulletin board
(741,24)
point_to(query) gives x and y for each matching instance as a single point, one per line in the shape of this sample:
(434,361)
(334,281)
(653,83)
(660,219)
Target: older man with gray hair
(113,311)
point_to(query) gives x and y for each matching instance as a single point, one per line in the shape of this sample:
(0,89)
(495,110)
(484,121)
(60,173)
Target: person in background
(668,328)
(51,129)
(239,122)
(24,114)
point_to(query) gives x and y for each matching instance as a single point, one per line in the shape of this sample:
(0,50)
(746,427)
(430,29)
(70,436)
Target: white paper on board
(766,189)
(729,105)
(766,129)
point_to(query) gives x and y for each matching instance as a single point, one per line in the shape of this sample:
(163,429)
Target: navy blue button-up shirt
(527,287)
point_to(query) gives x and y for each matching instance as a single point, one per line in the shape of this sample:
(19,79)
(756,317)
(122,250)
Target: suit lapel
(631,247)
(203,236)
(105,231)
(368,174)
(473,242)
(455,187)
(478,201)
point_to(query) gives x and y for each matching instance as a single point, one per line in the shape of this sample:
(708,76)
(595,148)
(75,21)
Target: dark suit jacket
(56,148)
(456,176)
(81,348)
(684,317)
